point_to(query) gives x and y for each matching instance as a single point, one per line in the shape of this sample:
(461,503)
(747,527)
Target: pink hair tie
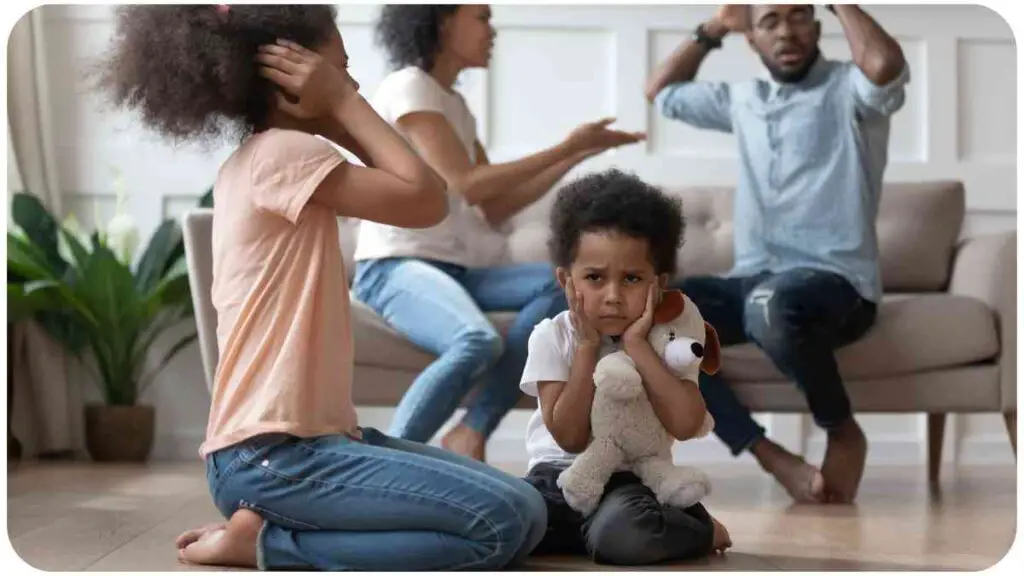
(222,8)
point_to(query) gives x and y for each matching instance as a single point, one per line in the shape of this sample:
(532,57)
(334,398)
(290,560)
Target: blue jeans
(376,504)
(798,318)
(440,307)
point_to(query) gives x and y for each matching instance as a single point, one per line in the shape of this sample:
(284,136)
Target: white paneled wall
(553,68)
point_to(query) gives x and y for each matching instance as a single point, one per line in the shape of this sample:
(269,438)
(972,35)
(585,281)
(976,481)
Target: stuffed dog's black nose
(697,349)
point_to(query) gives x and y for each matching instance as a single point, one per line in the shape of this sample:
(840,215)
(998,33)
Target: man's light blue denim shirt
(812,155)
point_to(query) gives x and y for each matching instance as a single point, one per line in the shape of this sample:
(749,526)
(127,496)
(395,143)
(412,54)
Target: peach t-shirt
(280,291)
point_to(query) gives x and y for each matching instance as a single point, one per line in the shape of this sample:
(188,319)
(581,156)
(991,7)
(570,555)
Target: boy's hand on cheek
(586,334)
(635,337)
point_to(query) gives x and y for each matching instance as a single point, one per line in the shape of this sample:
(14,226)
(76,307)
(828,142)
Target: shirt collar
(814,75)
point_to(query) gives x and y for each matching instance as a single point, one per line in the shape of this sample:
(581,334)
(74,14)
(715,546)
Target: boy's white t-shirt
(549,359)
(463,238)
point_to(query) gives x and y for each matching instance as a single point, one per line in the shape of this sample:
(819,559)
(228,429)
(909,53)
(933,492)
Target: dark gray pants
(629,526)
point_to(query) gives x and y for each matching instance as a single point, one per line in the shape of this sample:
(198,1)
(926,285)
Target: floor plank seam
(145,532)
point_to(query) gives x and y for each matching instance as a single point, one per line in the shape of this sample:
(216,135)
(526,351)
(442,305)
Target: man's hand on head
(730,18)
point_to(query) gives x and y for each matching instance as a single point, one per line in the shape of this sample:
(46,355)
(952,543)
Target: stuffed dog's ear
(712,359)
(670,307)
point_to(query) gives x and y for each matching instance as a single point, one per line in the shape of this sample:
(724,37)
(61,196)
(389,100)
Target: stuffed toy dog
(627,434)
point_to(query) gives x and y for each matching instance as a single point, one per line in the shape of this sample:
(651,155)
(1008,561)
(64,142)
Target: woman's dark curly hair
(411,33)
(613,201)
(191,70)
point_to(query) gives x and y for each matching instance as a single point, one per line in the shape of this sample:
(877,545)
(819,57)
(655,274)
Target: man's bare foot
(231,544)
(843,466)
(465,441)
(721,540)
(803,482)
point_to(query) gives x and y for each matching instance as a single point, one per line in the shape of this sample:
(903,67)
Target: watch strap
(701,37)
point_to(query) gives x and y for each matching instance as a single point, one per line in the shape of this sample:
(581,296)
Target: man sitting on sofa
(812,150)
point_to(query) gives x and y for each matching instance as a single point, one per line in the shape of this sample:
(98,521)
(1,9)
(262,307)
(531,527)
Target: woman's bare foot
(843,468)
(231,544)
(721,540)
(803,482)
(465,441)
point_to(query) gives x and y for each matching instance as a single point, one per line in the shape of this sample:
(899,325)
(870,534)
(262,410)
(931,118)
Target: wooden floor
(84,516)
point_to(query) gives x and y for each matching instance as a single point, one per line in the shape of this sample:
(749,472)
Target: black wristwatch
(700,36)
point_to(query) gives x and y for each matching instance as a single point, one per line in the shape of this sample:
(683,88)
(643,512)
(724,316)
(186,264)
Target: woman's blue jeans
(441,308)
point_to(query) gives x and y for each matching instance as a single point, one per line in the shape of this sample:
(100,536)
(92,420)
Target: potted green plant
(86,293)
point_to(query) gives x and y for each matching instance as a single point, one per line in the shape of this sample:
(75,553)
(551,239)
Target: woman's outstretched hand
(596,136)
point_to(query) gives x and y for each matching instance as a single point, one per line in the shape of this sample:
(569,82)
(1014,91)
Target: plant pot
(119,433)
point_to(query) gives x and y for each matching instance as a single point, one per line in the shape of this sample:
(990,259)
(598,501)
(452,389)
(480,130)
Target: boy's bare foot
(231,544)
(843,467)
(803,482)
(465,441)
(721,540)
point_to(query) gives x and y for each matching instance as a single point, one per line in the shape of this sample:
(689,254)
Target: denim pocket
(219,467)
(275,518)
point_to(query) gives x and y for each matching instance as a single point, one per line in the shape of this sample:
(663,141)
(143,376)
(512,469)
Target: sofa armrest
(985,268)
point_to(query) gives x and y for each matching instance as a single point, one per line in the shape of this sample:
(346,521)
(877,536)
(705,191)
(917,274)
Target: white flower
(122,237)
(121,234)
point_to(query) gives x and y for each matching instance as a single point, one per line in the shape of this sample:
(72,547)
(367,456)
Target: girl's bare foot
(190,536)
(845,456)
(465,441)
(721,540)
(231,544)
(803,482)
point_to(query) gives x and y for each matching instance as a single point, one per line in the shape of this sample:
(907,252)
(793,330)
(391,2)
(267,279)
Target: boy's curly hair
(190,70)
(411,33)
(613,201)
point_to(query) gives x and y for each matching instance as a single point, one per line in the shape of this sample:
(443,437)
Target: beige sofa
(945,340)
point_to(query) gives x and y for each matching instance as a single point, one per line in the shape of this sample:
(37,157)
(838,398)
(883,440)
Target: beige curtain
(46,413)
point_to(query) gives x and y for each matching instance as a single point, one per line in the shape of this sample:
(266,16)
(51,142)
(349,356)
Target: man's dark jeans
(798,318)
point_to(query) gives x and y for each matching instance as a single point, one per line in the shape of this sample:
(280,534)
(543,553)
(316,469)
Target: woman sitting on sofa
(434,285)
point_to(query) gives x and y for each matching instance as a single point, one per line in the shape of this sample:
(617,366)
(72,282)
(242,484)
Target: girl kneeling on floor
(301,484)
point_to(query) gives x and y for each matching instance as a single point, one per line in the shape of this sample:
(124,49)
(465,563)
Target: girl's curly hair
(411,33)
(191,71)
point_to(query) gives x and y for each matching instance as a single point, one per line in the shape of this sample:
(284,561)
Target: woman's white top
(464,237)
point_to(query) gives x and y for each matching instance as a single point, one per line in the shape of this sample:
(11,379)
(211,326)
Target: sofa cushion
(913,333)
(708,246)
(918,227)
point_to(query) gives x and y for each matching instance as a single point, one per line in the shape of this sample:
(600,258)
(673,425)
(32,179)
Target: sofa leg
(1011,426)
(936,433)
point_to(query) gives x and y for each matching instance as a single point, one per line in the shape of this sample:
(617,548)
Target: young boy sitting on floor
(614,242)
